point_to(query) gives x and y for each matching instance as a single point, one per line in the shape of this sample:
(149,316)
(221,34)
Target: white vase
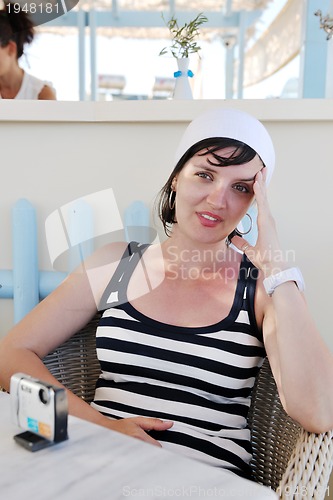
(182,85)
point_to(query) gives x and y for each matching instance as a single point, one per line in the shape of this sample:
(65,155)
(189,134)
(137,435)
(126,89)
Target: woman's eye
(204,175)
(241,188)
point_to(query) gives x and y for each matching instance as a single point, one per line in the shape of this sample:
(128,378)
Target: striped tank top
(200,378)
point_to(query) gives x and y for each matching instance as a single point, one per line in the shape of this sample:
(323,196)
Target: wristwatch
(291,274)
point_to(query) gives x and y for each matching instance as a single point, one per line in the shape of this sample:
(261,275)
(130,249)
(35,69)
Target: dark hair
(242,154)
(17,27)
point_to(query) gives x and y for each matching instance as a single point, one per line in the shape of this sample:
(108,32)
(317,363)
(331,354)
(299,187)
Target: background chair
(293,462)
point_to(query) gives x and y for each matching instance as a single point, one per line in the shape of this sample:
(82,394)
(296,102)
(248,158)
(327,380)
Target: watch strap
(291,274)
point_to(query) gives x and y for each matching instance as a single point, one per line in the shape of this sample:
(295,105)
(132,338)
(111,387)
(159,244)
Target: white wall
(53,152)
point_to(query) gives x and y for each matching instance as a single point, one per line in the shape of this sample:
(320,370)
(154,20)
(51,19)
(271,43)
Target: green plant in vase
(183,37)
(183,44)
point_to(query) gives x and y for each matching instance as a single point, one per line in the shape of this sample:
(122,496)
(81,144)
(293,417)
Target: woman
(186,324)
(16,30)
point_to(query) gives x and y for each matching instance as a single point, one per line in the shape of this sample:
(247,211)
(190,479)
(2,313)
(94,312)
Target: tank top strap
(116,290)
(249,294)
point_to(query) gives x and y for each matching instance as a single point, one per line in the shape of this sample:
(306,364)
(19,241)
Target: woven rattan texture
(274,434)
(75,363)
(309,468)
(290,460)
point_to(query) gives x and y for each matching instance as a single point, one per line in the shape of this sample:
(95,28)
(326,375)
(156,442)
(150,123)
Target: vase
(182,85)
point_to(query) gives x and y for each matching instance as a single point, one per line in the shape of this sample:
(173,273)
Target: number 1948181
(302,492)
(33,8)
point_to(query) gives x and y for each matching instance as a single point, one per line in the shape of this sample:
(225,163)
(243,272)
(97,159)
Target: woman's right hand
(138,427)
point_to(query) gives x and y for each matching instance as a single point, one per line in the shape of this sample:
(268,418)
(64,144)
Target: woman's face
(211,200)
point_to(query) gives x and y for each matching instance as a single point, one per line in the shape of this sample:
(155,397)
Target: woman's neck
(11,82)
(189,255)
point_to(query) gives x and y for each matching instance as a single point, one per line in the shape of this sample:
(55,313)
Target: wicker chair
(293,462)
(75,362)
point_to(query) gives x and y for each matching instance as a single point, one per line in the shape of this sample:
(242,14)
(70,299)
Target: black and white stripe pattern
(200,378)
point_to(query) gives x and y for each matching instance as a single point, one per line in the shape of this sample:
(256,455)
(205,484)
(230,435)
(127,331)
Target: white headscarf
(232,124)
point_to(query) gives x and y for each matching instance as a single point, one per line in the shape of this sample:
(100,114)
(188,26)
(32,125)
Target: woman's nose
(217,197)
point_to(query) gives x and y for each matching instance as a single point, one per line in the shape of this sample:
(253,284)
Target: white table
(98,463)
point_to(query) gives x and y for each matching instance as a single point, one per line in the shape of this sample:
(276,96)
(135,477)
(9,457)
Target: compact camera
(41,409)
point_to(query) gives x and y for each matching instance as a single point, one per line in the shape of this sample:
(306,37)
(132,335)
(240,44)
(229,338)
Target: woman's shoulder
(107,256)
(100,266)
(33,88)
(47,93)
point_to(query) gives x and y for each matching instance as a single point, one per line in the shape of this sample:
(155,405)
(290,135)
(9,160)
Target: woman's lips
(209,219)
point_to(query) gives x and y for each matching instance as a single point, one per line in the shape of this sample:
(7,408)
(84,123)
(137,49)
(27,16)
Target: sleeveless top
(200,378)
(31,87)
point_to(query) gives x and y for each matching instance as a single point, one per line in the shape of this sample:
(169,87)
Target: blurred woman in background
(17,30)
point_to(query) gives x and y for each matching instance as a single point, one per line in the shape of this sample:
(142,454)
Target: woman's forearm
(305,362)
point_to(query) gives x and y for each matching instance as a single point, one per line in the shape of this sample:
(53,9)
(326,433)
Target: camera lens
(44,396)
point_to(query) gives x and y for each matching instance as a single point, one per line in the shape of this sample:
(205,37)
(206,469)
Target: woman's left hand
(266,254)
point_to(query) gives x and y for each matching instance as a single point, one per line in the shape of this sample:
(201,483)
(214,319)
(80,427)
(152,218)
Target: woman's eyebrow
(248,180)
(208,169)
(214,171)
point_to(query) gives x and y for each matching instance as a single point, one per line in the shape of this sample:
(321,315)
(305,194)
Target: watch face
(42,11)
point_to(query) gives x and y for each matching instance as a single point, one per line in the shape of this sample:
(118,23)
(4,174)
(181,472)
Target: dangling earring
(245,232)
(171,203)
(238,232)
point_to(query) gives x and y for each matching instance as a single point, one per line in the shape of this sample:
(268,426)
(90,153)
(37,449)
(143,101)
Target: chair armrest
(309,467)
(293,462)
